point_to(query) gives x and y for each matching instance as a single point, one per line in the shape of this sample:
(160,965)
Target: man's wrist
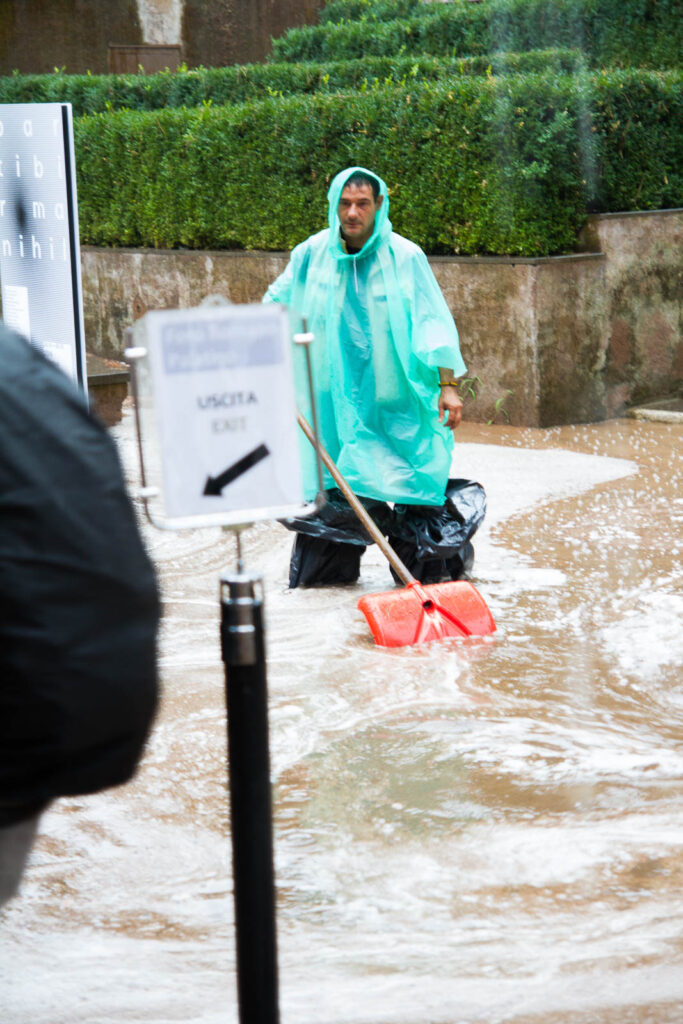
(447,377)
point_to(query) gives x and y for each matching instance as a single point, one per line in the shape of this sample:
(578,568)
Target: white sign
(222,391)
(40,262)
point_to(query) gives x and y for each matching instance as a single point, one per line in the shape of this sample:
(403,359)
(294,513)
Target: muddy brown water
(469,832)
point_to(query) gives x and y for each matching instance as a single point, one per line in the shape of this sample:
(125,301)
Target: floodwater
(468,832)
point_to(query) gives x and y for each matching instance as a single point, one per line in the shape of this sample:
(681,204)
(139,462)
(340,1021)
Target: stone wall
(220,32)
(36,36)
(505,309)
(565,339)
(643,353)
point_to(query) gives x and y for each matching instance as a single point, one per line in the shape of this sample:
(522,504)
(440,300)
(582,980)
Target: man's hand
(450,407)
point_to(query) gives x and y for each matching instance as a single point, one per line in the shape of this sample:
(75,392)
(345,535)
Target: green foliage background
(489,144)
(609,32)
(489,165)
(90,94)
(614,32)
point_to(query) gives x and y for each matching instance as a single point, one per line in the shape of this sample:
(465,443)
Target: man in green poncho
(386,360)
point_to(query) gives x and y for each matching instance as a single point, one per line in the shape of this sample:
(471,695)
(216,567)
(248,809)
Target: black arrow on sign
(215,484)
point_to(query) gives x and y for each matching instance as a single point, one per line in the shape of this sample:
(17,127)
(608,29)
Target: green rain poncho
(382,328)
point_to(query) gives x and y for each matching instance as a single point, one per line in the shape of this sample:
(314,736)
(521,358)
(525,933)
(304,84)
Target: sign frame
(148,358)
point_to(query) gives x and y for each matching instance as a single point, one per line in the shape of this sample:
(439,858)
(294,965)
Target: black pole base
(243,653)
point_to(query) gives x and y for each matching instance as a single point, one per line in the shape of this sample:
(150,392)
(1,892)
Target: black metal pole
(243,653)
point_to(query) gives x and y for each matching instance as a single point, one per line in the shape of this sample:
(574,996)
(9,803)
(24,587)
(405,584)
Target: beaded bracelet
(448,383)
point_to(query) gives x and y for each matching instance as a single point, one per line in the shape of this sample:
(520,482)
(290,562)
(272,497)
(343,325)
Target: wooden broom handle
(362,513)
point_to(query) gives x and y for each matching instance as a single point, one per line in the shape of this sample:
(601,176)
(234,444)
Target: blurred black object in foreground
(79,607)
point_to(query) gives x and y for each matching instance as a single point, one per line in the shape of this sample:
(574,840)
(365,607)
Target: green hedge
(624,32)
(638,127)
(475,166)
(91,94)
(440,34)
(372,10)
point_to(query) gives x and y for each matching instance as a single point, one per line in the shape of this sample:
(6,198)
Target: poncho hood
(382,229)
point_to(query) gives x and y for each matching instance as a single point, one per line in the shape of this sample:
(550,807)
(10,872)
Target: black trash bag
(434,543)
(433,570)
(321,563)
(329,545)
(336,520)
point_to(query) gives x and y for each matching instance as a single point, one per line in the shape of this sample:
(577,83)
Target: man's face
(357,209)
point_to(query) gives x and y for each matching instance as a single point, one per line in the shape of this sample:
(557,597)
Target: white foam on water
(648,638)
(518,479)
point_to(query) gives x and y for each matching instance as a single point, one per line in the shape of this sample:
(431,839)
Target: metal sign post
(217,438)
(243,654)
